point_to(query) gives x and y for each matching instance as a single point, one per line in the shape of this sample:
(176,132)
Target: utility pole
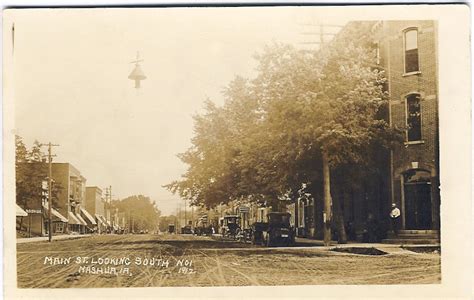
(185,221)
(110,208)
(192,217)
(327,209)
(321,32)
(50,189)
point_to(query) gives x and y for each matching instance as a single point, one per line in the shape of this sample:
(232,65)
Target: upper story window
(411,51)
(413,117)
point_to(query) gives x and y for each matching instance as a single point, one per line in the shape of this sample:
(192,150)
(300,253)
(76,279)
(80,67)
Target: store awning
(73,219)
(88,216)
(81,219)
(55,213)
(100,219)
(20,212)
(104,220)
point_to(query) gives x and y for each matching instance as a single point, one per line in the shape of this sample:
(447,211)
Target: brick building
(408,51)
(71,196)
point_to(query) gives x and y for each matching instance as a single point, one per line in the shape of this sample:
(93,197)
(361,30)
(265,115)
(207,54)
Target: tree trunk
(327,200)
(339,219)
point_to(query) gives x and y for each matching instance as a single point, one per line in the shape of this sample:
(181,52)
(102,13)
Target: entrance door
(417,202)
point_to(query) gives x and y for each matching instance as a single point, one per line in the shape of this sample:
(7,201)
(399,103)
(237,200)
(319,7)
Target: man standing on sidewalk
(395,218)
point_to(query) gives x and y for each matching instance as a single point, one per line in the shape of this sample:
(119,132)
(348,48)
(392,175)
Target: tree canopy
(273,131)
(140,210)
(31,171)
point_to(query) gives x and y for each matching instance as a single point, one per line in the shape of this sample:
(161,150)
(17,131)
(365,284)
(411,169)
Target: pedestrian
(395,218)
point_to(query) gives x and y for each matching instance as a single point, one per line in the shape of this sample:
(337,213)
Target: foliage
(164,221)
(31,171)
(140,210)
(270,135)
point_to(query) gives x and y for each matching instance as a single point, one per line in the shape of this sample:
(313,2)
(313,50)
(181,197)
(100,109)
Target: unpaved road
(210,263)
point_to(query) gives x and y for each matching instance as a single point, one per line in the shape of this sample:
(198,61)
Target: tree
(304,115)
(140,210)
(164,221)
(214,175)
(329,111)
(31,171)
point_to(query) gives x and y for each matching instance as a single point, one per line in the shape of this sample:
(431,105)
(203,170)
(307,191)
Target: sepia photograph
(223,147)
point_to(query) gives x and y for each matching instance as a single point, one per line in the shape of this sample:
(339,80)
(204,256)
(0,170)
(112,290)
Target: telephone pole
(50,189)
(327,209)
(185,221)
(108,199)
(321,32)
(110,208)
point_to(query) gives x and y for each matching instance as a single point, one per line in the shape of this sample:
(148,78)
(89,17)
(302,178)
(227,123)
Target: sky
(71,83)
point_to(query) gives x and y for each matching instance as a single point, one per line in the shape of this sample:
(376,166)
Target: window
(411,51)
(59,227)
(413,117)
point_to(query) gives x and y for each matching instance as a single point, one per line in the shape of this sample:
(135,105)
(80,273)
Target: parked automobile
(230,226)
(186,229)
(202,227)
(276,231)
(171,228)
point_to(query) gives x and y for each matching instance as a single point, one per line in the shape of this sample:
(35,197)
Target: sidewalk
(388,248)
(55,238)
(309,242)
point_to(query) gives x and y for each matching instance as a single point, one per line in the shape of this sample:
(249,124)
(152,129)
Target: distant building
(96,207)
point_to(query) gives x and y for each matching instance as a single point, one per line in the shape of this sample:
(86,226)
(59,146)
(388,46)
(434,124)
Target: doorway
(417,192)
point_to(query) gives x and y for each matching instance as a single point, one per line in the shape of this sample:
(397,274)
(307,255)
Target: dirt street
(175,260)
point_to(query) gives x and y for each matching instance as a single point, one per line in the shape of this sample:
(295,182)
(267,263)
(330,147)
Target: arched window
(413,113)
(411,50)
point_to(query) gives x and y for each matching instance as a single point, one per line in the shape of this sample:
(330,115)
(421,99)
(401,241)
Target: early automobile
(171,228)
(230,226)
(203,227)
(276,231)
(187,229)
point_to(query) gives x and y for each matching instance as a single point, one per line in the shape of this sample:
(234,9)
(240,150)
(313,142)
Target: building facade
(71,195)
(95,205)
(408,51)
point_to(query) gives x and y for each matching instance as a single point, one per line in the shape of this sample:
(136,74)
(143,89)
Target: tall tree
(31,171)
(302,116)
